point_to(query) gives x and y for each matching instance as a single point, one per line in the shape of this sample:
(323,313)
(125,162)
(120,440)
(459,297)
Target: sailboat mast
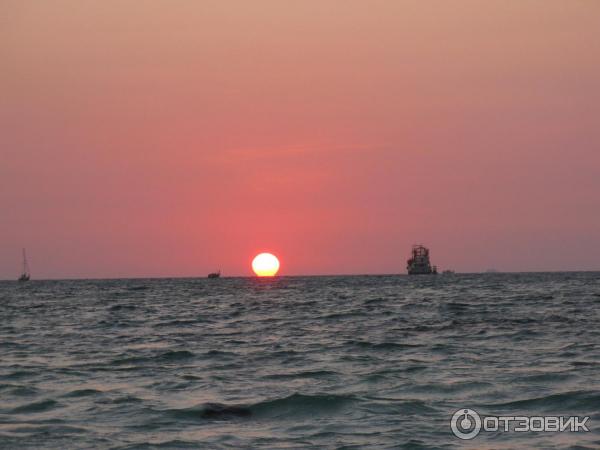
(25,267)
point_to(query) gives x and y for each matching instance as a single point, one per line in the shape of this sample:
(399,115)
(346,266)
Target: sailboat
(25,275)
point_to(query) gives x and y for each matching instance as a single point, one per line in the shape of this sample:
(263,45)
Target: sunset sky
(174,138)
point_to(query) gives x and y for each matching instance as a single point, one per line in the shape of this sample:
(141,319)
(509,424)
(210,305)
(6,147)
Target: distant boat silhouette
(215,274)
(419,263)
(25,275)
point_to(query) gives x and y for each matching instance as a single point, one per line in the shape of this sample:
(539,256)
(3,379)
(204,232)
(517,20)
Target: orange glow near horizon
(265,265)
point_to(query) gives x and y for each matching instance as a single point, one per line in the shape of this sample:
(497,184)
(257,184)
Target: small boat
(419,263)
(25,275)
(215,274)
(448,272)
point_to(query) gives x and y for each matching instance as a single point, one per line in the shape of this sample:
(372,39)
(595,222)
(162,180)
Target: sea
(326,362)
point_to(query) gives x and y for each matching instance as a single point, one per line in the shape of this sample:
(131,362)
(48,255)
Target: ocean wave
(172,444)
(19,431)
(179,323)
(168,356)
(552,377)
(138,288)
(36,407)
(451,388)
(17,390)
(17,375)
(301,404)
(456,306)
(381,346)
(124,399)
(82,393)
(219,353)
(12,345)
(295,405)
(212,411)
(120,307)
(386,406)
(341,315)
(174,355)
(301,374)
(573,401)
(585,363)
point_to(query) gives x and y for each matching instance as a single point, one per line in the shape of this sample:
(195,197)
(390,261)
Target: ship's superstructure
(419,263)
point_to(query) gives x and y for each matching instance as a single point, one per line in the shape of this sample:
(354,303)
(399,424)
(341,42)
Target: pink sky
(174,137)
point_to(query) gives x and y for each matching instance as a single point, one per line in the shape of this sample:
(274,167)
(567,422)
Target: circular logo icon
(465,424)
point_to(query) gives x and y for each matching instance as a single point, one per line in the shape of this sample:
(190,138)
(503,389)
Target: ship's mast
(25,265)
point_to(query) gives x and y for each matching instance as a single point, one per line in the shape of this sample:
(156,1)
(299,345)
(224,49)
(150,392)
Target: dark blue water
(315,362)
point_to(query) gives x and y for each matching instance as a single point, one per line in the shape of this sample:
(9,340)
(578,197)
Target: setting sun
(265,265)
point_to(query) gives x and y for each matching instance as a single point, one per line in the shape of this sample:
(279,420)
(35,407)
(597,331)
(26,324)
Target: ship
(215,274)
(25,275)
(419,263)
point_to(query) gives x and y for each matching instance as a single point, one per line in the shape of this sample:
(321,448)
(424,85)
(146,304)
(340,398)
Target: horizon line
(191,277)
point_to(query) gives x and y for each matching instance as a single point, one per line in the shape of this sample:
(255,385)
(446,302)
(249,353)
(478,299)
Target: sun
(265,265)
